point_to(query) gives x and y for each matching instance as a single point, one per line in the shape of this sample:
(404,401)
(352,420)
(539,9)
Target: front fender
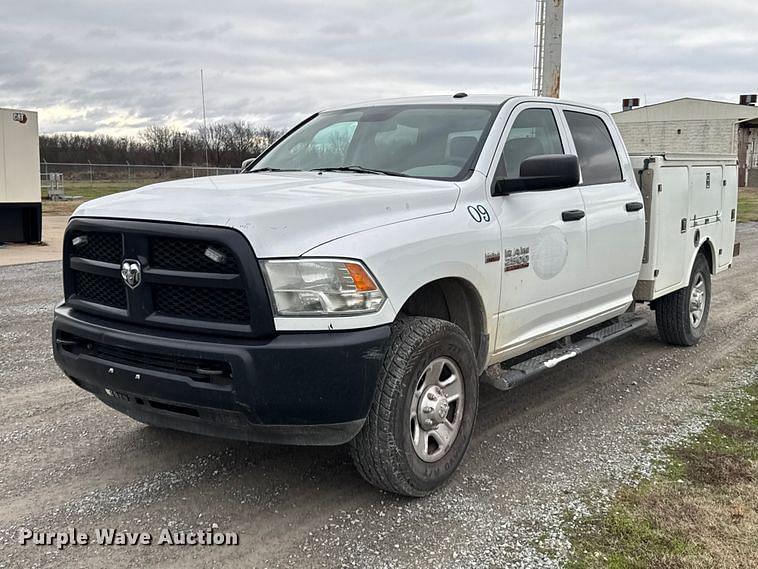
(406,256)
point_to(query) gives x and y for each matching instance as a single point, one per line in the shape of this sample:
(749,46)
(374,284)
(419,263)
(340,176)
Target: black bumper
(304,388)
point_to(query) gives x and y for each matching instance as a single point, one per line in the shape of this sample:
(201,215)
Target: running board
(505,377)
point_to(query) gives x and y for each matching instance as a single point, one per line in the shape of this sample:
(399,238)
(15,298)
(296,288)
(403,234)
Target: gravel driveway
(552,446)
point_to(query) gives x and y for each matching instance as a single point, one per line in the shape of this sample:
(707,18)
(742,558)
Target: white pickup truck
(358,280)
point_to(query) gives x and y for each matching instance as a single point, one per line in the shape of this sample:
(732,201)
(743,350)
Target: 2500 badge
(516,259)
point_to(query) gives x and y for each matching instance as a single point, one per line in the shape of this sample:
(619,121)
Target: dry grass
(747,208)
(87,191)
(701,512)
(717,527)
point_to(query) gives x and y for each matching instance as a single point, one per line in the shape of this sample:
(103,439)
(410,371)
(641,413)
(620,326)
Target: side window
(534,133)
(597,154)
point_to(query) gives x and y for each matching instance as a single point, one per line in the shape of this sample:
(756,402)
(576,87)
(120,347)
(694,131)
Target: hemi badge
(491,257)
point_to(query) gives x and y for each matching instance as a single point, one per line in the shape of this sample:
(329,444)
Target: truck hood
(282,213)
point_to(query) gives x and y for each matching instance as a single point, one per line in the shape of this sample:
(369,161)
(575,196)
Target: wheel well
(457,301)
(707,251)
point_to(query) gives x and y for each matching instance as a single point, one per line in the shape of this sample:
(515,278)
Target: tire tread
(672,311)
(375,452)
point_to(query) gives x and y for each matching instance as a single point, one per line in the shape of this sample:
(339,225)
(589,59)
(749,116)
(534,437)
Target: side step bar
(505,376)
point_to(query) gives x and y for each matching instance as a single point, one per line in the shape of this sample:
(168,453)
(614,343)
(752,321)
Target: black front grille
(189,255)
(100,289)
(223,305)
(98,246)
(205,279)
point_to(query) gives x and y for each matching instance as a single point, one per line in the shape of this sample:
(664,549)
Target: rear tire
(422,417)
(682,316)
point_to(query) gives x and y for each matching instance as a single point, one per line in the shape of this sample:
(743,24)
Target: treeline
(221,144)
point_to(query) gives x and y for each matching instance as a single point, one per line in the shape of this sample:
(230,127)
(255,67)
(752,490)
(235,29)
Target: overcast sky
(100,66)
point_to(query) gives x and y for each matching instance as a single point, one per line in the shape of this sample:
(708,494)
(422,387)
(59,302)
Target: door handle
(573,215)
(634,206)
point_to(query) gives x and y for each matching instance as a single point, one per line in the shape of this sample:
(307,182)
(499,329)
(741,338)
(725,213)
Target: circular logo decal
(550,253)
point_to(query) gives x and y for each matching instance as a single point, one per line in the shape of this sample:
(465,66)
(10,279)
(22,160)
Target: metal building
(20,190)
(698,126)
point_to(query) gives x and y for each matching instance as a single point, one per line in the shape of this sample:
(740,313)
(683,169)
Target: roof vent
(749,100)
(629,104)
(460,95)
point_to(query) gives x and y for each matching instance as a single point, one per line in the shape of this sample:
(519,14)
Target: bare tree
(228,145)
(160,141)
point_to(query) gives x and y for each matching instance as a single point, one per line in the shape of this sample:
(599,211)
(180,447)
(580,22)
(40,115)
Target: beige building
(695,125)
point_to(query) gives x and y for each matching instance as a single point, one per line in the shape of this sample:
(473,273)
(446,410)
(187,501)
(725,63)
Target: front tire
(682,316)
(422,417)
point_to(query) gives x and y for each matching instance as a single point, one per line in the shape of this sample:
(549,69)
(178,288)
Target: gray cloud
(96,66)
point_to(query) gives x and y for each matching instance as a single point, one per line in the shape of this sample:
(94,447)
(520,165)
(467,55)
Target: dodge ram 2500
(357,281)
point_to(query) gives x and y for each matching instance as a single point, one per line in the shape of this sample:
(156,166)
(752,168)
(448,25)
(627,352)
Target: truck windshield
(435,141)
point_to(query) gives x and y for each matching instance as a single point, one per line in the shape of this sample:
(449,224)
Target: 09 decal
(479,213)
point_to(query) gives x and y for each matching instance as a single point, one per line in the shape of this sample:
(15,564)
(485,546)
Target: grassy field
(747,209)
(700,512)
(87,190)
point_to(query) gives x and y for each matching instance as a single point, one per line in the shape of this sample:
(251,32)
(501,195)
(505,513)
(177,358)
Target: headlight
(316,287)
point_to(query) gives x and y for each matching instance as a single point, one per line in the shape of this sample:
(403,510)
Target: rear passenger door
(613,203)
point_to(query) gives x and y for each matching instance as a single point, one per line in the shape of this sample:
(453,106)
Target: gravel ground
(550,449)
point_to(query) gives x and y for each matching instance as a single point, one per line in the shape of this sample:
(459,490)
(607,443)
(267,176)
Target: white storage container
(20,191)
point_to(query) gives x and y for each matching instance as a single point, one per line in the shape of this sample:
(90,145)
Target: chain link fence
(87,171)
(78,181)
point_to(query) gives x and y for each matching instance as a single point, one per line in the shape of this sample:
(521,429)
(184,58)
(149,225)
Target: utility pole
(205,122)
(548,43)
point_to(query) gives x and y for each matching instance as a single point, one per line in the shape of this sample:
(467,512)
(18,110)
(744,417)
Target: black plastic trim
(330,434)
(301,388)
(140,308)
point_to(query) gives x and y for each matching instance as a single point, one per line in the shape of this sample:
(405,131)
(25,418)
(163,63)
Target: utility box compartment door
(672,209)
(728,217)
(707,182)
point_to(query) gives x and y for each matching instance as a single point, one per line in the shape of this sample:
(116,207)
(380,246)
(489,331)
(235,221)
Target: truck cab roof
(462,99)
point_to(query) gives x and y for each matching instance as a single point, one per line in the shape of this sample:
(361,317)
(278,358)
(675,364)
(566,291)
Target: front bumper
(298,388)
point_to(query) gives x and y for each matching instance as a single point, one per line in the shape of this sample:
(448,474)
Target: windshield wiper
(360,170)
(272,170)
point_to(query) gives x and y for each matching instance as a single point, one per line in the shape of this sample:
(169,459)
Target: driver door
(544,238)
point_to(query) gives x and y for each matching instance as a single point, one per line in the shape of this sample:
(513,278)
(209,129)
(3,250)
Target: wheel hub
(436,409)
(697,301)
(433,407)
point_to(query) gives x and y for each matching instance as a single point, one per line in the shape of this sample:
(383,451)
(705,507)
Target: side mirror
(547,172)
(246,163)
